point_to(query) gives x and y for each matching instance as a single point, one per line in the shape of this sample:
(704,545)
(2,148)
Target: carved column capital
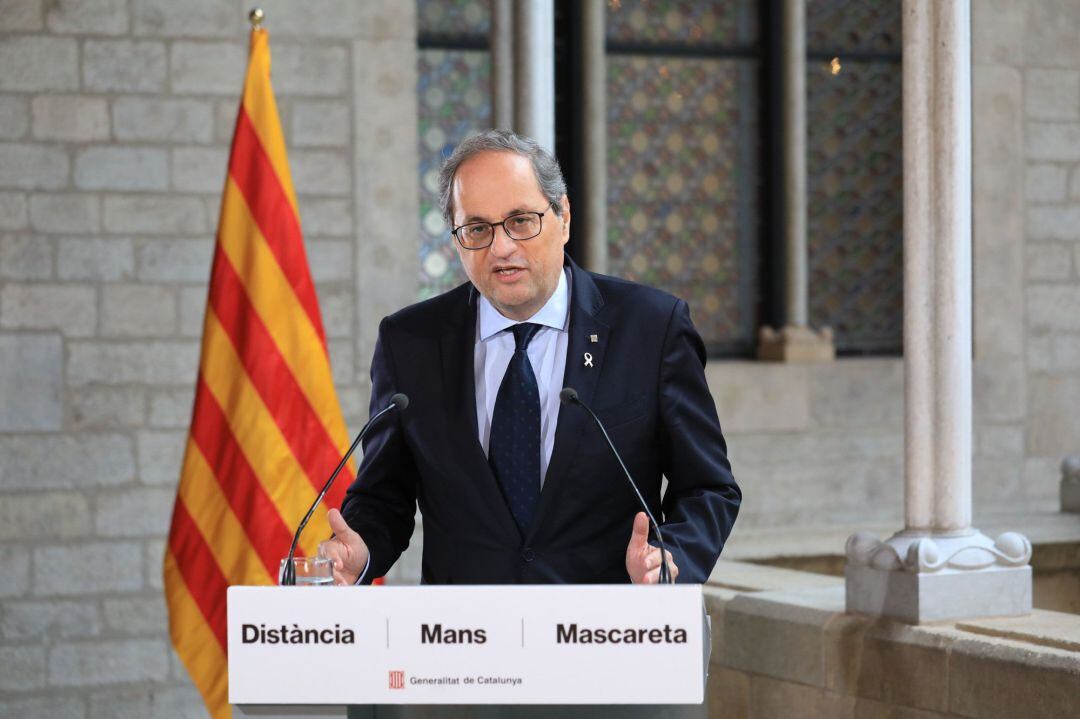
(927,553)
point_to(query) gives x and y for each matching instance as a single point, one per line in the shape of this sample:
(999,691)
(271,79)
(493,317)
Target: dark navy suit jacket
(647,384)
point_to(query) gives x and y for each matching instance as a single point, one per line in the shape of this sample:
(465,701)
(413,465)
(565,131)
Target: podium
(315,651)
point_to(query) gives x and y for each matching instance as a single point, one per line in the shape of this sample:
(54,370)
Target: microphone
(569,395)
(288,575)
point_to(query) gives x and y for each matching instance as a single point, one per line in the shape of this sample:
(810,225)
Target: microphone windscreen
(400,400)
(567,395)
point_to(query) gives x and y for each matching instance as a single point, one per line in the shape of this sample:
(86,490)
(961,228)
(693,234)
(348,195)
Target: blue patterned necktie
(514,447)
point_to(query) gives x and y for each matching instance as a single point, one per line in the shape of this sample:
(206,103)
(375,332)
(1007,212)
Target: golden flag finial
(256,17)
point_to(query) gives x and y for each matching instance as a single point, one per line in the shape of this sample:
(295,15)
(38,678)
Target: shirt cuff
(363,574)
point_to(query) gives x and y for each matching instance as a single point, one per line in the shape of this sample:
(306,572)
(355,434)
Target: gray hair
(546,168)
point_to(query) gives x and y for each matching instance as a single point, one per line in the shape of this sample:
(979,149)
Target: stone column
(939,567)
(594,90)
(1070,484)
(502,64)
(534,70)
(795,341)
(793,158)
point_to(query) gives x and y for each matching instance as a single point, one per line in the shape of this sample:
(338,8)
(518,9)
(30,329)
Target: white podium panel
(577,644)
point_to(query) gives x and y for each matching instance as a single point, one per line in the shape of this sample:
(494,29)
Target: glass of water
(310,571)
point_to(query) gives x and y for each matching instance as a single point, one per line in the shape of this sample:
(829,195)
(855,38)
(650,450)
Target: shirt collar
(553,314)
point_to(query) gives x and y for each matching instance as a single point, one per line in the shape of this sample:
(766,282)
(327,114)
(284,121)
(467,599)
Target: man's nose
(501,244)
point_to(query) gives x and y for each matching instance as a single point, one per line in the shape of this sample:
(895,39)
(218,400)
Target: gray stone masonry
(1025,423)
(124,66)
(183,260)
(1054,141)
(28,15)
(199,169)
(116,118)
(95,259)
(206,68)
(68,213)
(784,647)
(12,211)
(70,117)
(142,119)
(14,117)
(94,663)
(70,309)
(156,215)
(320,124)
(121,168)
(36,63)
(78,17)
(23,257)
(32,167)
(31,383)
(1046,182)
(138,311)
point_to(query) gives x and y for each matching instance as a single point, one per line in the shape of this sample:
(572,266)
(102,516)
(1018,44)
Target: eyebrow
(477,218)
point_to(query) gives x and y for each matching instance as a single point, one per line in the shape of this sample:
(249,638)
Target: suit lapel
(583,374)
(458,346)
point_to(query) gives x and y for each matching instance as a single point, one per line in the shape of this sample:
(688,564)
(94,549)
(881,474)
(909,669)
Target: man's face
(517,277)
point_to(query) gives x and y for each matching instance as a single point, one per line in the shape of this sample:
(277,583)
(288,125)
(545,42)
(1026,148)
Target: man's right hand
(346,549)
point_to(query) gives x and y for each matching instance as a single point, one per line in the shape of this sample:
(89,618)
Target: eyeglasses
(519,226)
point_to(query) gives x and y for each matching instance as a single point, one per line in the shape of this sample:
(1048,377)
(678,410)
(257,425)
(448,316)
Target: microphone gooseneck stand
(569,395)
(288,574)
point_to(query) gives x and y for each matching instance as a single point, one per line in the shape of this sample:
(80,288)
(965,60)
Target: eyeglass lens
(518,227)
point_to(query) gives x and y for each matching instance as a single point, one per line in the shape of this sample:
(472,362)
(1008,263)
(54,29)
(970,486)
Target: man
(512,486)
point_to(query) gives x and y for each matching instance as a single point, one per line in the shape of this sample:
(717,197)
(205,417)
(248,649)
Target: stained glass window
(854,26)
(453,18)
(681,22)
(453,102)
(855,173)
(682,158)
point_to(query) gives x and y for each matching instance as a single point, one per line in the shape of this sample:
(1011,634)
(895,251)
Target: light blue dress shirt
(547,355)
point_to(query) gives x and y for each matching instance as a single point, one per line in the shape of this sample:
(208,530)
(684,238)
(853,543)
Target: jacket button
(527,554)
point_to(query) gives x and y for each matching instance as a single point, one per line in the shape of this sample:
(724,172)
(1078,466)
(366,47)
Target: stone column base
(920,577)
(793,343)
(1070,484)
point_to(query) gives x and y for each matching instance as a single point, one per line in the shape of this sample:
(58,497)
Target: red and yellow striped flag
(266,429)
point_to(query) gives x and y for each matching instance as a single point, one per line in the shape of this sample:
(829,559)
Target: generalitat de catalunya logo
(397,679)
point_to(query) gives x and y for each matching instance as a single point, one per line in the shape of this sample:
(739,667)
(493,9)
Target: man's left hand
(643,559)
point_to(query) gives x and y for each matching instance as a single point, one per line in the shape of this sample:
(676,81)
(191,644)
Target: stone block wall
(1027,266)
(1052,233)
(783,647)
(115,122)
(814,444)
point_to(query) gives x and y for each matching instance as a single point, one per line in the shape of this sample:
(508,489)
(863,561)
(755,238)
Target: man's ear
(564,203)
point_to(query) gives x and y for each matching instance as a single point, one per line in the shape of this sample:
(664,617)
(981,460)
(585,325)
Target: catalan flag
(266,429)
